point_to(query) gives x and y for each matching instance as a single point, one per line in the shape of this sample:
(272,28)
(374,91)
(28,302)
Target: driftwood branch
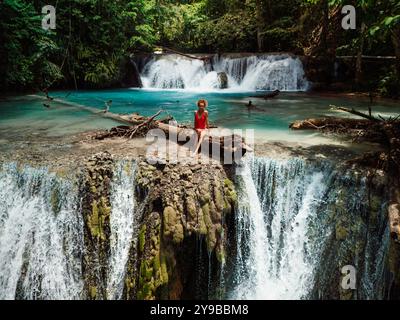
(357,113)
(132,132)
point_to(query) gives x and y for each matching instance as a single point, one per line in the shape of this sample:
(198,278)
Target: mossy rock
(93,292)
(55,200)
(220,253)
(94,224)
(178,234)
(142,238)
(191,207)
(341,233)
(172,225)
(219,199)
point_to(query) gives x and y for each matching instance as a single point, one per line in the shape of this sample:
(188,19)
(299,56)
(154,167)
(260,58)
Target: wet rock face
(222,80)
(130,75)
(358,239)
(96,209)
(183,202)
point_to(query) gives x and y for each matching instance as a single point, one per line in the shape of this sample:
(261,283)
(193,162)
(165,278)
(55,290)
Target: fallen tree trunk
(322,123)
(357,113)
(231,145)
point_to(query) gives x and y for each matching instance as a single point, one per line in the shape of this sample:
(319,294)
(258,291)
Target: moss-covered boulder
(96,210)
(185,208)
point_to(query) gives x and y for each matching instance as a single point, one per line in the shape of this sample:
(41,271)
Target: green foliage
(93,37)
(389,85)
(231,32)
(25,47)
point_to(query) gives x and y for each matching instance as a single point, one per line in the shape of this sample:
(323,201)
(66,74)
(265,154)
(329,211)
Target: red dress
(200,122)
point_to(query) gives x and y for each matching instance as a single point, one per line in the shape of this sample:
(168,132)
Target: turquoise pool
(270,119)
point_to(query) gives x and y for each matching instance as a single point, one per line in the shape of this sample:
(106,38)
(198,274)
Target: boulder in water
(222,80)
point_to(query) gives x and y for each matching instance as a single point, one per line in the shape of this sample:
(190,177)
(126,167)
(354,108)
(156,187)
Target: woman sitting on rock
(201,122)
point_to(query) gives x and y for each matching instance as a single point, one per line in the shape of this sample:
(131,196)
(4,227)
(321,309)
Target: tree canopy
(93,37)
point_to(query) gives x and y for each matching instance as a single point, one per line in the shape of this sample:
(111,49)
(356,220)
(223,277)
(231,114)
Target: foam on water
(265,72)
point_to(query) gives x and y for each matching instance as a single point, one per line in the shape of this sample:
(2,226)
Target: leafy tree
(25,48)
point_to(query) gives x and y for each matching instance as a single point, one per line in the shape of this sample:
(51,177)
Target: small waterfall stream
(124,226)
(264,72)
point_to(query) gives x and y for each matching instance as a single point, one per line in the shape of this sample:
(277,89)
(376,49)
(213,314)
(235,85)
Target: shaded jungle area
(93,38)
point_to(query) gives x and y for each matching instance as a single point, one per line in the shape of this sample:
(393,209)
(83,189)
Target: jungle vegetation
(94,37)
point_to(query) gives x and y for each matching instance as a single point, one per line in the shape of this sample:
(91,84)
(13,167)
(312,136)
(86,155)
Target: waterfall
(42,233)
(124,226)
(286,224)
(41,236)
(264,72)
(296,225)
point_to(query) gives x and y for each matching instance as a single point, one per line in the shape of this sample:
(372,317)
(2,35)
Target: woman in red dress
(201,122)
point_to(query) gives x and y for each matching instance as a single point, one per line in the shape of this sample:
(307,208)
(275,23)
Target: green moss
(94,220)
(164,270)
(156,262)
(55,200)
(202,227)
(232,196)
(178,234)
(341,232)
(154,241)
(147,284)
(169,220)
(142,237)
(220,254)
(205,196)
(211,240)
(191,207)
(206,215)
(227,206)
(229,184)
(93,190)
(346,295)
(219,199)
(104,208)
(172,225)
(146,272)
(93,292)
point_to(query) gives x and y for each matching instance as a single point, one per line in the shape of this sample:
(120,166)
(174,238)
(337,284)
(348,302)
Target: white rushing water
(286,246)
(124,226)
(42,233)
(265,72)
(277,202)
(41,236)
(287,219)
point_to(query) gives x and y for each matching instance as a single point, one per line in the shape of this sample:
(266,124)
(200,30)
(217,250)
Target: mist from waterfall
(263,72)
(286,246)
